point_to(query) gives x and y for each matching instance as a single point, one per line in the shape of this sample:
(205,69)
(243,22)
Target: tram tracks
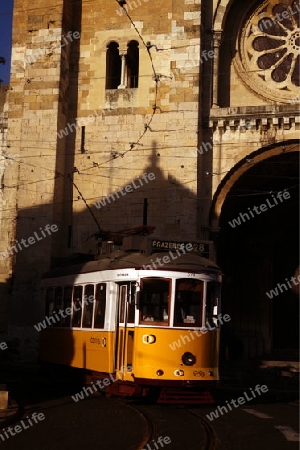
(211,439)
(149,424)
(177,424)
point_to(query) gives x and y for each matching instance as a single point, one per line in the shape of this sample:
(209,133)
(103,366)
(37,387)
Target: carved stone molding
(237,124)
(217,38)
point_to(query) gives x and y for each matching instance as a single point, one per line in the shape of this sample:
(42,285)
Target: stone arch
(257,242)
(220,14)
(240,168)
(120,39)
(227,19)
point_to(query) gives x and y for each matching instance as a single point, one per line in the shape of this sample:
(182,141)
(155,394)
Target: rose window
(269,50)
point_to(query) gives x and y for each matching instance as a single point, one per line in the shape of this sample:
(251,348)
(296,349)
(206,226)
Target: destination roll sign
(201,247)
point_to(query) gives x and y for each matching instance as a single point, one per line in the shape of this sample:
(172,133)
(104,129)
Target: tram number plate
(199,373)
(199,247)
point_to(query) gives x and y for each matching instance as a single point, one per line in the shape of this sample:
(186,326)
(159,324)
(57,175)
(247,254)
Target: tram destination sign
(204,248)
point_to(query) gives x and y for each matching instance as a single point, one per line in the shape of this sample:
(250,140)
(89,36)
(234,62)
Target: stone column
(217,37)
(122,84)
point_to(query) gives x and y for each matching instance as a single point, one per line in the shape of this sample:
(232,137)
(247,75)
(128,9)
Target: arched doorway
(258,250)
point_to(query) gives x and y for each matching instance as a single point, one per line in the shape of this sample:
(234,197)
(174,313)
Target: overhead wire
(155,106)
(190,195)
(132,145)
(146,127)
(58,174)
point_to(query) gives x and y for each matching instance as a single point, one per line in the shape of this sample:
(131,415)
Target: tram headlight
(188,359)
(159,373)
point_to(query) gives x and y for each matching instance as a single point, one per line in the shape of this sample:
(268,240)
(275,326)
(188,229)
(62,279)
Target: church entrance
(258,251)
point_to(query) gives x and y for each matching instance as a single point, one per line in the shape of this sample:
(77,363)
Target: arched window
(113,66)
(122,70)
(132,64)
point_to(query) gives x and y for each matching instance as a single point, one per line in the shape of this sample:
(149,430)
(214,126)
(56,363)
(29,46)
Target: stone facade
(3,136)
(3,163)
(195,121)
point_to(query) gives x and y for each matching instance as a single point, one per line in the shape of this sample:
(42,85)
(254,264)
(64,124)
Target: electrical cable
(133,144)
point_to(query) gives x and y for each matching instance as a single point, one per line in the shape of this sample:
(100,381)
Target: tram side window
(49,307)
(188,303)
(58,299)
(88,307)
(100,305)
(77,306)
(67,306)
(155,301)
(123,301)
(212,302)
(131,304)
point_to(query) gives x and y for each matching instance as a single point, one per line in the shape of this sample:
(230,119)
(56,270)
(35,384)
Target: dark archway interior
(259,253)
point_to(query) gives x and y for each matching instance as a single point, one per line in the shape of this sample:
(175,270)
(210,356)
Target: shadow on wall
(43,244)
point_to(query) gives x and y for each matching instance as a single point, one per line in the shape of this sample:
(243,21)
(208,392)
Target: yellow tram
(148,319)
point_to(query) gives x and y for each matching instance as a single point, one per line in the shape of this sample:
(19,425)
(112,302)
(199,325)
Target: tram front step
(184,397)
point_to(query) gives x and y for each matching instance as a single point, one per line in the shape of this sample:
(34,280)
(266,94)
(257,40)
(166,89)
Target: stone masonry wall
(118,118)
(30,185)
(58,79)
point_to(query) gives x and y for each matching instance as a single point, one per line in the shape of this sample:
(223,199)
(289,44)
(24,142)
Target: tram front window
(188,303)
(155,301)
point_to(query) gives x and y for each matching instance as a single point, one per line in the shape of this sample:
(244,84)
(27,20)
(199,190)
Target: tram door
(125,329)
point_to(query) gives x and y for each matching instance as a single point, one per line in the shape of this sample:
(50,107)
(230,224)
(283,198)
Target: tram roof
(189,262)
